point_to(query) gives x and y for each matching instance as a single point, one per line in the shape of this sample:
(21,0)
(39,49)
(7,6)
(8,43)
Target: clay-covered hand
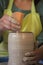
(34,56)
(8,23)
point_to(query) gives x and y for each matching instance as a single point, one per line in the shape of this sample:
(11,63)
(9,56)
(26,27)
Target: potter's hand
(8,23)
(34,56)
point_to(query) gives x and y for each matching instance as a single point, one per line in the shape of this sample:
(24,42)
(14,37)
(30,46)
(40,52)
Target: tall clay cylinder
(18,45)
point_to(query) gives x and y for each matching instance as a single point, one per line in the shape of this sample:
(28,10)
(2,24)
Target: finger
(13,26)
(14,22)
(30,54)
(32,62)
(8,18)
(36,58)
(28,61)
(25,59)
(15,30)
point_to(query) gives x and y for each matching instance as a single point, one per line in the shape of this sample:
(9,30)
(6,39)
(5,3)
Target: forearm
(40,39)
(41,51)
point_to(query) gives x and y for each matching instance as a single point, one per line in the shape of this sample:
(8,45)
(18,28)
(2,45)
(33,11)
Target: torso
(17,12)
(21,9)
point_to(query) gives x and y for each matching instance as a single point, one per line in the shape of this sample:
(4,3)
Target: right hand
(34,56)
(8,23)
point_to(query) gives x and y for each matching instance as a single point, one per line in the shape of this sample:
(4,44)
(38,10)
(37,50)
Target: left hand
(34,56)
(8,23)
